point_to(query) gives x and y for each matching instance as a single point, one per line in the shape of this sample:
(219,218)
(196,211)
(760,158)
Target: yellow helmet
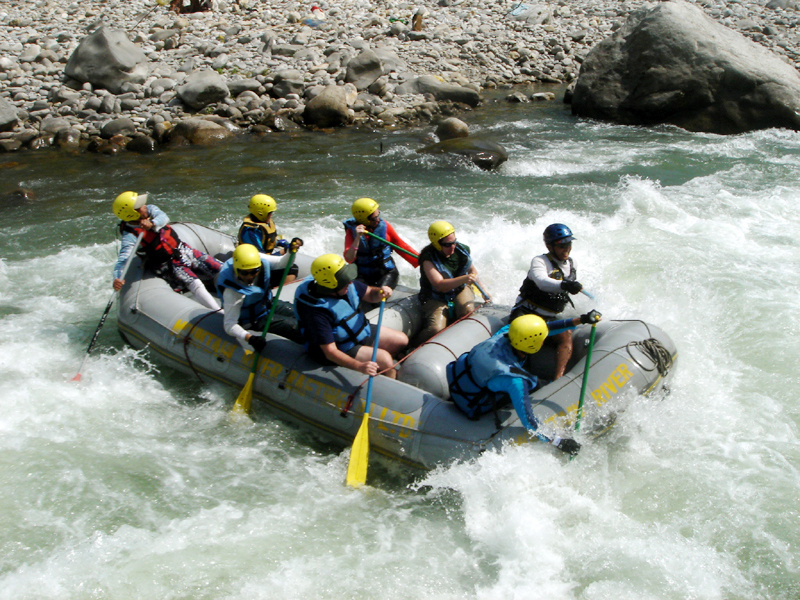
(363,208)
(332,271)
(527,333)
(126,204)
(261,205)
(246,257)
(439,230)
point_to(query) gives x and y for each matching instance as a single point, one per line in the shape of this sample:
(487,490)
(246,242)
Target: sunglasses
(374,216)
(248,272)
(563,245)
(447,244)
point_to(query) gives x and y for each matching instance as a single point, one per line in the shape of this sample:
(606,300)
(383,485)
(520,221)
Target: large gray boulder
(8,115)
(428,84)
(202,88)
(106,58)
(331,107)
(673,64)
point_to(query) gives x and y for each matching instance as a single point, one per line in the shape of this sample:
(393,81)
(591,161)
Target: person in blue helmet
(244,289)
(545,291)
(493,373)
(373,256)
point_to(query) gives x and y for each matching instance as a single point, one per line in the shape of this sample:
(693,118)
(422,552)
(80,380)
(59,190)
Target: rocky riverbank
(285,64)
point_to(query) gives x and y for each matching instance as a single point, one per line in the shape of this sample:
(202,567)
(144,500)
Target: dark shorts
(387,277)
(276,275)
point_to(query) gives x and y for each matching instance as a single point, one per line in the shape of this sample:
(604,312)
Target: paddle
(108,308)
(359,454)
(242,406)
(395,246)
(585,377)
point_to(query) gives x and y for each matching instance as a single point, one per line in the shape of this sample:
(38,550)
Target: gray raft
(411,418)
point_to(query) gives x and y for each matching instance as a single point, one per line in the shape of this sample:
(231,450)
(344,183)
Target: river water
(134,484)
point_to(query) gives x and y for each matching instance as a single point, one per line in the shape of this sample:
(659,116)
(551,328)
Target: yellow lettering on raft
(612,386)
(386,418)
(208,340)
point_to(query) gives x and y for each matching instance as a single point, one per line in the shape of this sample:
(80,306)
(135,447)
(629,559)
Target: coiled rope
(655,351)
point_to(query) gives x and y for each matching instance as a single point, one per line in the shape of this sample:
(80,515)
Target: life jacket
(426,290)
(547,300)
(350,324)
(257,297)
(265,232)
(156,247)
(374,258)
(468,376)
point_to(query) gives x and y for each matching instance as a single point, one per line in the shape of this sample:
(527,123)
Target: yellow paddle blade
(242,406)
(359,456)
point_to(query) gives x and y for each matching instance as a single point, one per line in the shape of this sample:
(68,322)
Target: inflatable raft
(412,419)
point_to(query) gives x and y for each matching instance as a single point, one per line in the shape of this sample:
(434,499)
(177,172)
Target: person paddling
(181,266)
(545,291)
(445,280)
(335,328)
(493,374)
(243,287)
(372,256)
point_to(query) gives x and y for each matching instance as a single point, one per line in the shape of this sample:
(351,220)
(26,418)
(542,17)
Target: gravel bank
(472,44)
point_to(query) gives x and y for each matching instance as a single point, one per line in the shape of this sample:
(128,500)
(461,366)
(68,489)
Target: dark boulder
(482,153)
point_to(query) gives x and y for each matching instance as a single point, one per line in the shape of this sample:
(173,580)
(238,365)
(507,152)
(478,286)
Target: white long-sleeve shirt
(539,273)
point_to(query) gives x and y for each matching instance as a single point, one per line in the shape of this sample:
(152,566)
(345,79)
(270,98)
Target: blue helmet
(557,232)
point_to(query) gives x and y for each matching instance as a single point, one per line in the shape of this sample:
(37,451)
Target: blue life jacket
(468,376)
(257,296)
(374,258)
(350,324)
(426,289)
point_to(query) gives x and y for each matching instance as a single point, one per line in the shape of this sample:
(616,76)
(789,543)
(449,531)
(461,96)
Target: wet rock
(121,126)
(452,128)
(483,153)
(142,144)
(198,131)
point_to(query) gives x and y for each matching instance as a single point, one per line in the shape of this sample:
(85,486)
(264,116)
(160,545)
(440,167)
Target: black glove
(591,317)
(258,342)
(567,445)
(573,287)
(297,242)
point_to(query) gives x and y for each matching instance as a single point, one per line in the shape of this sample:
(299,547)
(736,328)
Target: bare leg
(563,352)
(383,358)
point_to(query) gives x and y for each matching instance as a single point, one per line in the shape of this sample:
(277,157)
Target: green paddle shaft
(242,405)
(585,377)
(395,246)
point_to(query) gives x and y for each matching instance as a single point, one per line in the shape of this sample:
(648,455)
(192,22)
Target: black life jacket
(549,301)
